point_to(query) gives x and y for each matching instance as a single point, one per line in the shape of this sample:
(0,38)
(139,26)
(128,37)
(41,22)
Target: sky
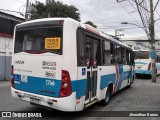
(106,14)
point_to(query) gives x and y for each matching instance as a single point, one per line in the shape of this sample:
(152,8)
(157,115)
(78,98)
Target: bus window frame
(103,47)
(92,35)
(101,39)
(61,50)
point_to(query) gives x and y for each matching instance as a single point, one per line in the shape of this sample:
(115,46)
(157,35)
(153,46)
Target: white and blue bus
(143,64)
(63,64)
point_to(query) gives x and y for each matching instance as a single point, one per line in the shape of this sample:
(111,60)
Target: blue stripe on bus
(34,84)
(140,63)
(78,86)
(111,78)
(81,88)
(106,79)
(148,72)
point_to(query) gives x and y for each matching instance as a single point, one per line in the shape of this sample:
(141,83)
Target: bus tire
(130,84)
(107,98)
(137,75)
(149,76)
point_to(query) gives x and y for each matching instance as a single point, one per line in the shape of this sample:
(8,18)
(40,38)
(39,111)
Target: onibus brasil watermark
(21,114)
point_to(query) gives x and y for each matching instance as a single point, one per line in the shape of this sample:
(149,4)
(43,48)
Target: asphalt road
(142,96)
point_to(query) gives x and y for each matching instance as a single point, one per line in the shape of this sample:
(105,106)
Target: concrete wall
(5,58)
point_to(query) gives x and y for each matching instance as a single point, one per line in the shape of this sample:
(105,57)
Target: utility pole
(26,14)
(151,38)
(116,32)
(47,2)
(152,42)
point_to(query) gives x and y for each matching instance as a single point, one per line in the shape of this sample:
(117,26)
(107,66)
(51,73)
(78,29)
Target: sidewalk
(4,83)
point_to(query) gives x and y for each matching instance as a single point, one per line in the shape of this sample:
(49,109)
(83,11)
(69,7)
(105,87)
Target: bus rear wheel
(107,98)
(129,86)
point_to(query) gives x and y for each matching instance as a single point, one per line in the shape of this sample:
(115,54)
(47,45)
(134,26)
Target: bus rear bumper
(146,72)
(62,104)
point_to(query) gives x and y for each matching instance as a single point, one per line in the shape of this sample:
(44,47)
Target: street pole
(116,32)
(151,37)
(26,14)
(47,2)
(152,41)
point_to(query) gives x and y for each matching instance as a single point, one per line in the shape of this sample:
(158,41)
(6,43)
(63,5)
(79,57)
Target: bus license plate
(138,68)
(35,101)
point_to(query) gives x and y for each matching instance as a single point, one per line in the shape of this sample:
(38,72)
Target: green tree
(55,9)
(91,23)
(41,11)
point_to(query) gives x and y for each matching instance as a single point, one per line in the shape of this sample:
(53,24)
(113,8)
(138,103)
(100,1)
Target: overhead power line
(142,18)
(139,4)
(156,5)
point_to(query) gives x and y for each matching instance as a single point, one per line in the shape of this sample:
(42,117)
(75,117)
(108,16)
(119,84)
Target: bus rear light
(149,66)
(12,70)
(64,92)
(65,85)
(12,79)
(65,89)
(61,22)
(12,82)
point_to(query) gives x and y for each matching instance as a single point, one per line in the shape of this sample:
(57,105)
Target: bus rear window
(39,40)
(142,55)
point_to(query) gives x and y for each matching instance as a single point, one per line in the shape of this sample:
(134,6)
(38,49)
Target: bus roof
(85,26)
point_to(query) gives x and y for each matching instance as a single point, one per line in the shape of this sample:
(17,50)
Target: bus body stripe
(141,63)
(117,79)
(34,84)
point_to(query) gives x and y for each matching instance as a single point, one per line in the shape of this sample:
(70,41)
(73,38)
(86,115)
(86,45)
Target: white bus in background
(62,64)
(143,63)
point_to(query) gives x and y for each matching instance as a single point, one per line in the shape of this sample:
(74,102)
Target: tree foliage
(91,23)
(55,9)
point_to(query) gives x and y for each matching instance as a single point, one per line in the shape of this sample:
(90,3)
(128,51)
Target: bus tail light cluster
(65,89)
(12,79)
(149,66)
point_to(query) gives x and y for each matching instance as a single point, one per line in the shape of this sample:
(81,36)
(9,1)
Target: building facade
(7,24)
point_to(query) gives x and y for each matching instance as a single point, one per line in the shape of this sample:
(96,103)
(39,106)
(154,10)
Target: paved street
(142,96)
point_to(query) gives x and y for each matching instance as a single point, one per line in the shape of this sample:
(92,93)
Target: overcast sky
(106,14)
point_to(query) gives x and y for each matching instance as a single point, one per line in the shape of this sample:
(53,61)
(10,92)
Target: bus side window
(118,55)
(112,53)
(128,57)
(124,56)
(132,58)
(106,52)
(81,48)
(98,55)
